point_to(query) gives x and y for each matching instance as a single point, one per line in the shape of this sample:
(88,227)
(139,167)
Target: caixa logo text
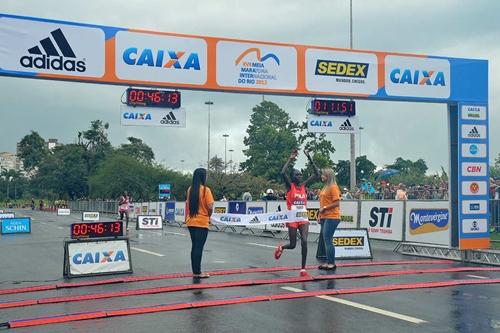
(98,257)
(137,116)
(428,220)
(161,58)
(418,77)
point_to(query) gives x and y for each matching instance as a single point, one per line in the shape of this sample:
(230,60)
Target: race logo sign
(97,257)
(149,222)
(90,216)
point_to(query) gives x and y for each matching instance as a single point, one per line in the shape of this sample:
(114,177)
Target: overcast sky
(465,28)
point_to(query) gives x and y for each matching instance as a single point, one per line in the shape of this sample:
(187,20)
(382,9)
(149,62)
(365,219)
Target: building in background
(9,161)
(52,143)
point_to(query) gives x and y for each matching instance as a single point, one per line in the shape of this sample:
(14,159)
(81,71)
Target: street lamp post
(209,103)
(225,152)
(360,129)
(352,136)
(231,159)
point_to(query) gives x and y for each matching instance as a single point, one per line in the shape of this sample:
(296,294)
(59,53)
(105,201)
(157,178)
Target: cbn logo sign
(51,48)
(417,77)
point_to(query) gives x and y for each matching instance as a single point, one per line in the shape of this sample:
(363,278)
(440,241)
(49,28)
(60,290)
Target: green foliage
(95,143)
(138,149)
(495,169)
(408,166)
(119,172)
(234,185)
(270,139)
(32,151)
(64,172)
(216,164)
(364,170)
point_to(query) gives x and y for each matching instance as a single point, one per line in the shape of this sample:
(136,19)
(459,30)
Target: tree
(137,149)
(343,171)
(32,151)
(270,139)
(64,172)
(96,144)
(364,168)
(407,166)
(495,169)
(321,150)
(118,173)
(216,164)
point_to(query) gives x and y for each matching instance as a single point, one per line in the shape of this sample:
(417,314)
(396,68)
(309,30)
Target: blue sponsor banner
(428,220)
(170,211)
(18,225)
(255,210)
(237,207)
(164,191)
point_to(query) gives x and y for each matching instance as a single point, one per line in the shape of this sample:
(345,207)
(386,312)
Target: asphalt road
(37,258)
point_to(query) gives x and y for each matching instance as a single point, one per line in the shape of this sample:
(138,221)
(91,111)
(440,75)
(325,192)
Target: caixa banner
(97,257)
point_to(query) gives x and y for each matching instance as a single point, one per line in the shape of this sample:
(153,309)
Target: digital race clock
(333,107)
(96,229)
(153,98)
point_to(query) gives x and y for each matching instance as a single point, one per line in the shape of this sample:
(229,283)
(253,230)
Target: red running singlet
(296,198)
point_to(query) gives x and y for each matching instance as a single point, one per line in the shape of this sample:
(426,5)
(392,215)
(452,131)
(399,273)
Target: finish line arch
(59,50)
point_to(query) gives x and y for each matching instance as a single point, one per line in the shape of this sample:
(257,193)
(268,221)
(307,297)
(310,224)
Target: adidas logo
(474,133)
(62,58)
(254,220)
(170,119)
(346,126)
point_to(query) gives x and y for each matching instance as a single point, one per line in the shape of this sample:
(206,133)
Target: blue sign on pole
(170,211)
(164,191)
(18,225)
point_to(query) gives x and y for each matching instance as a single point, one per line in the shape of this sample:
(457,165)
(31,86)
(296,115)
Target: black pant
(198,239)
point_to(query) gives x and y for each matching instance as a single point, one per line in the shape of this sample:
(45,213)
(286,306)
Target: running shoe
(278,252)
(304,273)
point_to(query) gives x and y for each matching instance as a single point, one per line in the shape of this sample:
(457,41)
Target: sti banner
(149,222)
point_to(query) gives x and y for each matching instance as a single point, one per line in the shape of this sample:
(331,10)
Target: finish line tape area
(213,273)
(71,317)
(238,283)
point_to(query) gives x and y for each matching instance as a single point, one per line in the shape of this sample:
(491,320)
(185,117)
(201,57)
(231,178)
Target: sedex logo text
(59,56)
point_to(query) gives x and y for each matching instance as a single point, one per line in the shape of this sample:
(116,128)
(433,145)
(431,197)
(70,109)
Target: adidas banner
(149,116)
(332,124)
(288,216)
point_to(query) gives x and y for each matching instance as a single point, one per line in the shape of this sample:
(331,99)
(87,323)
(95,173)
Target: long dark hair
(199,178)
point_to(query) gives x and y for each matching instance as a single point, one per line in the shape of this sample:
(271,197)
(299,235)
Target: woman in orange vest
(329,215)
(199,207)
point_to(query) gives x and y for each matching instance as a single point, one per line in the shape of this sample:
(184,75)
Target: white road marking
(262,245)
(60,228)
(175,233)
(148,252)
(364,307)
(477,277)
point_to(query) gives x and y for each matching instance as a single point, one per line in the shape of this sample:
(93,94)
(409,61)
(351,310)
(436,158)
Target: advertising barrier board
(16,225)
(63,212)
(149,222)
(352,244)
(428,222)
(90,216)
(383,219)
(96,257)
